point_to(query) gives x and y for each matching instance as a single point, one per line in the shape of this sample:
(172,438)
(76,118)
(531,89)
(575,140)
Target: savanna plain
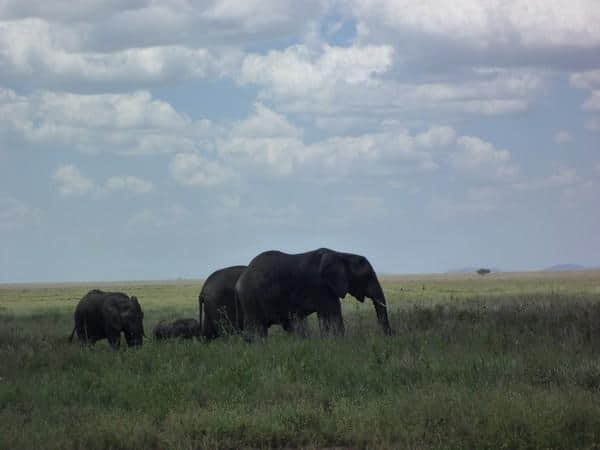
(499,361)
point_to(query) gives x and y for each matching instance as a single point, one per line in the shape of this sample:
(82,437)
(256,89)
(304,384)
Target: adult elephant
(101,315)
(281,288)
(217,300)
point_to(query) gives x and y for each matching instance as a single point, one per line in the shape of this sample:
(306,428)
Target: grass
(507,360)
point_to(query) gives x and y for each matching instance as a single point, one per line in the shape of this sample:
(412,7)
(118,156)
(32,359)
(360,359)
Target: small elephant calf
(179,328)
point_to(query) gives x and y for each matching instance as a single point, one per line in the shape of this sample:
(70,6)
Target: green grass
(503,361)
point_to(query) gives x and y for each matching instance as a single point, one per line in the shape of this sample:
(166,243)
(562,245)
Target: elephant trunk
(378,298)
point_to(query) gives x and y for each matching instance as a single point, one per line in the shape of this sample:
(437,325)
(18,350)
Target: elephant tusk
(379,303)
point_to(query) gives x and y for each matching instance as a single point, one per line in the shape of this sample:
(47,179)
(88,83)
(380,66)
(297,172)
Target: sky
(167,139)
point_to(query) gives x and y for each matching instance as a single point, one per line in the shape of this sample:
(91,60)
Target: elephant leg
(224,323)
(300,326)
(330,318)
(254,327)
(209,331)
(115,343)
(287,325)
(114,339)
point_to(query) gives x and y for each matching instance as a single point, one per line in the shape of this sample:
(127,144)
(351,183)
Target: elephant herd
(276,288)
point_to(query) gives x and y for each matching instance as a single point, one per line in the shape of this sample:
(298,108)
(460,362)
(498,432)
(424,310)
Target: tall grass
(516,366)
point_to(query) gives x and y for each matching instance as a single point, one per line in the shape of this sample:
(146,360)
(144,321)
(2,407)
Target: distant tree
(483,271)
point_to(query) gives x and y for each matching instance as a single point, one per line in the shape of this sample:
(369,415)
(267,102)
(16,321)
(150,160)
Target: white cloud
(435,137)
(585,80)
(71,182)
(343,153)
(564,177)
(476,154)
(45,52)
(563,137)
(129,183)
(192,169)
(357,81)
(592,103)
(588,80)
(119,111)
(299,69)
(584,193)
(593,124)
(15,214)
(265,123)
(133,123)
(517,23)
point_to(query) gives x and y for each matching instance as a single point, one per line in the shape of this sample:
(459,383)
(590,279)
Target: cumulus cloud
(563,137)
(593,124)
(129,183)
(585,80)
(592,103)
(266,139)
(588,80)
(265,123)
(339,155)
(111,47)
(71,182)
(300,69)
(133,123)
(334,81)
(564,177)
(520,24)
(278,154)
(33,48)
(110,44)
(192,169)
(475,154)
(435,137)
(267,143)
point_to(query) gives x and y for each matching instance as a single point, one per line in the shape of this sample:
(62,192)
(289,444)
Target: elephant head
(348,273)
(132,321)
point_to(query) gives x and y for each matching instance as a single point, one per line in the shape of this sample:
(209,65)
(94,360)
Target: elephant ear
(112,316)
(334,273)
(361,273)
(136,306)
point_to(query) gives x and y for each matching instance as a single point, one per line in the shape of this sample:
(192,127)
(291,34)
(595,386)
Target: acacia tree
(483,271)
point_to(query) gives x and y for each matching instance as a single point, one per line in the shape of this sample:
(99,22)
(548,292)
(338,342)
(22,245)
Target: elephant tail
(200,308)
(72,334)
(239,321)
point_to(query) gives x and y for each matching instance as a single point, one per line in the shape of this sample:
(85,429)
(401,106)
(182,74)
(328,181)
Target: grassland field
(501,361)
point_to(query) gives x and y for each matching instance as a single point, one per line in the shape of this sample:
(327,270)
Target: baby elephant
(179,328)
(105,315)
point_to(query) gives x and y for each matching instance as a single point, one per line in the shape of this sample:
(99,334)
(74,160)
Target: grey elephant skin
(217,301)
(101,315)
(281,288)
(186,328)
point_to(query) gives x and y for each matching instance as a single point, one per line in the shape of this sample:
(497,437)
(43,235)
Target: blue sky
(152,140)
